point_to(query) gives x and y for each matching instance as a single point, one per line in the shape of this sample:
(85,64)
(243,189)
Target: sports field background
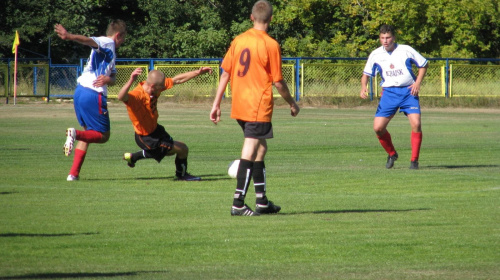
(344,216)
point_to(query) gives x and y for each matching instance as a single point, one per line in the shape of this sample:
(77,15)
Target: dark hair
(386,28)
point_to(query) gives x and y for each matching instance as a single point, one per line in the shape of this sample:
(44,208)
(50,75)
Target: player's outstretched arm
(65,35)
(215,113)
(123,93)
(184,77)
(283,90)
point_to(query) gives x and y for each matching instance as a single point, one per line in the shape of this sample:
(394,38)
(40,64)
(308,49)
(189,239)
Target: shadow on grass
(204,177)
(355,211)
(16,234)
(78,275)
(461,166)
(4,193)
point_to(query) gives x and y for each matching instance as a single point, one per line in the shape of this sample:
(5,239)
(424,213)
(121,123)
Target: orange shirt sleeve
(169,83)
(275,62)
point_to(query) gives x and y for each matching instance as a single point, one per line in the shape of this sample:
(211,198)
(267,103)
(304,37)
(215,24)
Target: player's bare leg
(181,150)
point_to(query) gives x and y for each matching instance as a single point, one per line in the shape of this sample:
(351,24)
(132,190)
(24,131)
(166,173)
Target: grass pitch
(344,216)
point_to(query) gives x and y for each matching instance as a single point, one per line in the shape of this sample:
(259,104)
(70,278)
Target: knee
(105,137)
(379,130)
(416,129)
(185,149)
(181,149)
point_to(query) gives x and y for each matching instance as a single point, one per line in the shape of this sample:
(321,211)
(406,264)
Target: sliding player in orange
(142,109)
(253,65)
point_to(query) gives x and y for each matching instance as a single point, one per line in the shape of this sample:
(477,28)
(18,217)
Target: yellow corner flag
(16,43)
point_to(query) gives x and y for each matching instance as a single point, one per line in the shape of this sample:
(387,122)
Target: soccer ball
(232,168)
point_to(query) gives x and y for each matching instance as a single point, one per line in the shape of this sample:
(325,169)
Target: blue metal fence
(62,78)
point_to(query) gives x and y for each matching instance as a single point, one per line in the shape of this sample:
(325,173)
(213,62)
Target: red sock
(416,141)
(386,142)
(89,136)
(77,162)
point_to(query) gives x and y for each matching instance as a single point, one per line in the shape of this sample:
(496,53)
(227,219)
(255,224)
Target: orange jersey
(142,108)
(254,63)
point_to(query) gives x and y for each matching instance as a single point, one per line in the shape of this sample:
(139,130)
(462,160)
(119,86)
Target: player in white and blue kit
(90,98)
(400,89)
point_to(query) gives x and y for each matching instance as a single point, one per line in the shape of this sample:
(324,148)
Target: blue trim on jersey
(408,63)
(100,60)
(377,68)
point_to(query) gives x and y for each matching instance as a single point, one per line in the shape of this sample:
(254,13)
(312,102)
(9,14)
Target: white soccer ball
(232,168)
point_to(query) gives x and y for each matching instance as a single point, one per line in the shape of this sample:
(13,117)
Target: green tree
(204,28)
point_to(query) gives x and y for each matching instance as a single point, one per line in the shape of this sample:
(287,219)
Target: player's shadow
(79,275)
(204,177)
(4,193)
(354,211)
(461,166)
(18,234)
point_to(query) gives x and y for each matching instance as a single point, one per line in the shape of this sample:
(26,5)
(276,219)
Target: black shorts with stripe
(158,143)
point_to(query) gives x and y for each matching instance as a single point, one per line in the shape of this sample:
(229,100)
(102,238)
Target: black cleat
(270,208)
(391,160)
(243,211)
(414,165)
(128,158)
(188,177)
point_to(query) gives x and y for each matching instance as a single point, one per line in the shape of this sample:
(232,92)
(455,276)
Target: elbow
(122,98)
(278,85)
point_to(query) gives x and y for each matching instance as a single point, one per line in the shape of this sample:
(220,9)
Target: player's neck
(260,26)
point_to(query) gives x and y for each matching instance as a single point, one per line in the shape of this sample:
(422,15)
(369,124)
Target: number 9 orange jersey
(254,63)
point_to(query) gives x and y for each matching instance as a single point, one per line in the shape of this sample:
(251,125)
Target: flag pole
(14,50)
(15,77)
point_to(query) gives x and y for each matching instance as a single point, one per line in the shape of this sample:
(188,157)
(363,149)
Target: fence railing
(305,76)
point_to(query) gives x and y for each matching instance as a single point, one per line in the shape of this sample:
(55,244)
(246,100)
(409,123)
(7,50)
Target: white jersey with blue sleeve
(394,67)
(101,62)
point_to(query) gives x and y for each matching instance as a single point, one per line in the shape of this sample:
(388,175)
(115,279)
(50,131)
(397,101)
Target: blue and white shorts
(394,98)
(91,108)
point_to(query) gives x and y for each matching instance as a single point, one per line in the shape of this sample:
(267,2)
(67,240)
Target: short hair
(116,26)
(386,28)
(262,11)
(156,77)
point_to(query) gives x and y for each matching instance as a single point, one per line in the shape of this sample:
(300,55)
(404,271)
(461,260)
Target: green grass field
(344,216)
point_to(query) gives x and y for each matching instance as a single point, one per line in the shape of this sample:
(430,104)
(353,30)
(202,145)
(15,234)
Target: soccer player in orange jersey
(253,65)
(150,136)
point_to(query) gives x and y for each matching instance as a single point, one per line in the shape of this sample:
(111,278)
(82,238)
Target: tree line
(205,28)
